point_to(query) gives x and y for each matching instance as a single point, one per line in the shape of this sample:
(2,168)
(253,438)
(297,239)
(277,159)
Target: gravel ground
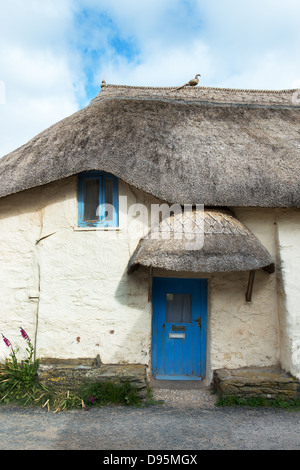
(188,420)
(183,394)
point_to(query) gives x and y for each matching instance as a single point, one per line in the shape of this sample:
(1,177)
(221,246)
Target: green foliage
(66,400)
(18,379)
(19,384)
(107,393)
(260,401)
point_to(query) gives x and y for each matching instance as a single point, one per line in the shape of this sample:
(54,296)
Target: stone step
(269,383)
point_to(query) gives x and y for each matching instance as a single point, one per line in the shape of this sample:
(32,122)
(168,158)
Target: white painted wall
(243,334)
(87,304)
(288,236)
(71,291)
(246,334)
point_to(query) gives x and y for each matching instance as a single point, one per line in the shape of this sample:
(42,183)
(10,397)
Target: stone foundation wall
(72,374)
(256,382)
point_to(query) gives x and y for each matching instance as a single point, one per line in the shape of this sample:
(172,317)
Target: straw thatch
(228,245)
(216,147)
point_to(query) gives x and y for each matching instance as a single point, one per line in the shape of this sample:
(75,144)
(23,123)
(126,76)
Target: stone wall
(271,383)
(71,374)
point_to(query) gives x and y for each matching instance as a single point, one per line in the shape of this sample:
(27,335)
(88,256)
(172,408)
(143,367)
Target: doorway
(179,328)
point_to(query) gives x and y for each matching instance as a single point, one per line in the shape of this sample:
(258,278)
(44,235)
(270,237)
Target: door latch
(198,320)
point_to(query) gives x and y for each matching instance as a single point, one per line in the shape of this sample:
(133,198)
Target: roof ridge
(212,95)
(247,90)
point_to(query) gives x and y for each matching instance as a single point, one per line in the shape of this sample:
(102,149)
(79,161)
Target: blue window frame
(98,199)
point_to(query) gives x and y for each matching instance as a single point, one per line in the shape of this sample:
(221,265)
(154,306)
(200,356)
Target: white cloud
(2,92)
(35,69)
(54,54)
(159,32)
(243,44)
(160,69)
(254,44)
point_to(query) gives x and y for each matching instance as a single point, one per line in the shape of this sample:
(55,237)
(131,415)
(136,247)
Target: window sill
(97,229)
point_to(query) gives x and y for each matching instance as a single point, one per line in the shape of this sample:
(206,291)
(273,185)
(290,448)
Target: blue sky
(55,53)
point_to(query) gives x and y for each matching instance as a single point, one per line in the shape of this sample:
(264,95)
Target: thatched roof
(196,145)
(227,245)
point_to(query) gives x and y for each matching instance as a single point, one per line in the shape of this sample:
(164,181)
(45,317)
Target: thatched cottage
(88,272)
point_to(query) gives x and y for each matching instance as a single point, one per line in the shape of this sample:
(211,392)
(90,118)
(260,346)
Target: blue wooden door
(179,328)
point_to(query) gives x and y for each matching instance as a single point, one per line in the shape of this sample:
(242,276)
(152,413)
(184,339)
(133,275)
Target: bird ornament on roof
(192,82)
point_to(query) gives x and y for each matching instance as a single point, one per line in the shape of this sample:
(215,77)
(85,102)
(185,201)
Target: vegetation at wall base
(19,385)
(259,401)
(20,391)
(18,378)
(92,395)
(110,393)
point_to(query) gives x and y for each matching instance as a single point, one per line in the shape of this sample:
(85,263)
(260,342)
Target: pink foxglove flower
(24,334)
(6,341)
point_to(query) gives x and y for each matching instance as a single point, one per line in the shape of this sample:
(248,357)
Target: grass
(110,393)
(19,384)
(260,401)
(18,379)
(90,395)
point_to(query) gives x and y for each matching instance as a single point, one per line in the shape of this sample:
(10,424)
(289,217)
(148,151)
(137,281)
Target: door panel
(179,328)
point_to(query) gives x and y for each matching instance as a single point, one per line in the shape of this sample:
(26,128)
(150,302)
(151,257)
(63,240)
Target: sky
(54,54)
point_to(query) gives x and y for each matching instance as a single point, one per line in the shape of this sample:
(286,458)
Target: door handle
(198,320)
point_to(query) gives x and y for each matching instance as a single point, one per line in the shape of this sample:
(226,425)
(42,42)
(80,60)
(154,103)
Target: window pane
(179,308)
(109,199)
(91,199)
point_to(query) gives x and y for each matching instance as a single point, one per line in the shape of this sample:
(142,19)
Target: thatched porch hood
(217,242)
(217,147)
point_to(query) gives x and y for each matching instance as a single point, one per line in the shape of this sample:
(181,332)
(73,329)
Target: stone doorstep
(256,382)
(71,374)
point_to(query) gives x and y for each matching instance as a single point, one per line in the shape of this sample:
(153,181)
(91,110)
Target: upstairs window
(98,200)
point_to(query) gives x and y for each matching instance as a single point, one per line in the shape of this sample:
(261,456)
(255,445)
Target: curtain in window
(91,198)
(108,199)
(179,308)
